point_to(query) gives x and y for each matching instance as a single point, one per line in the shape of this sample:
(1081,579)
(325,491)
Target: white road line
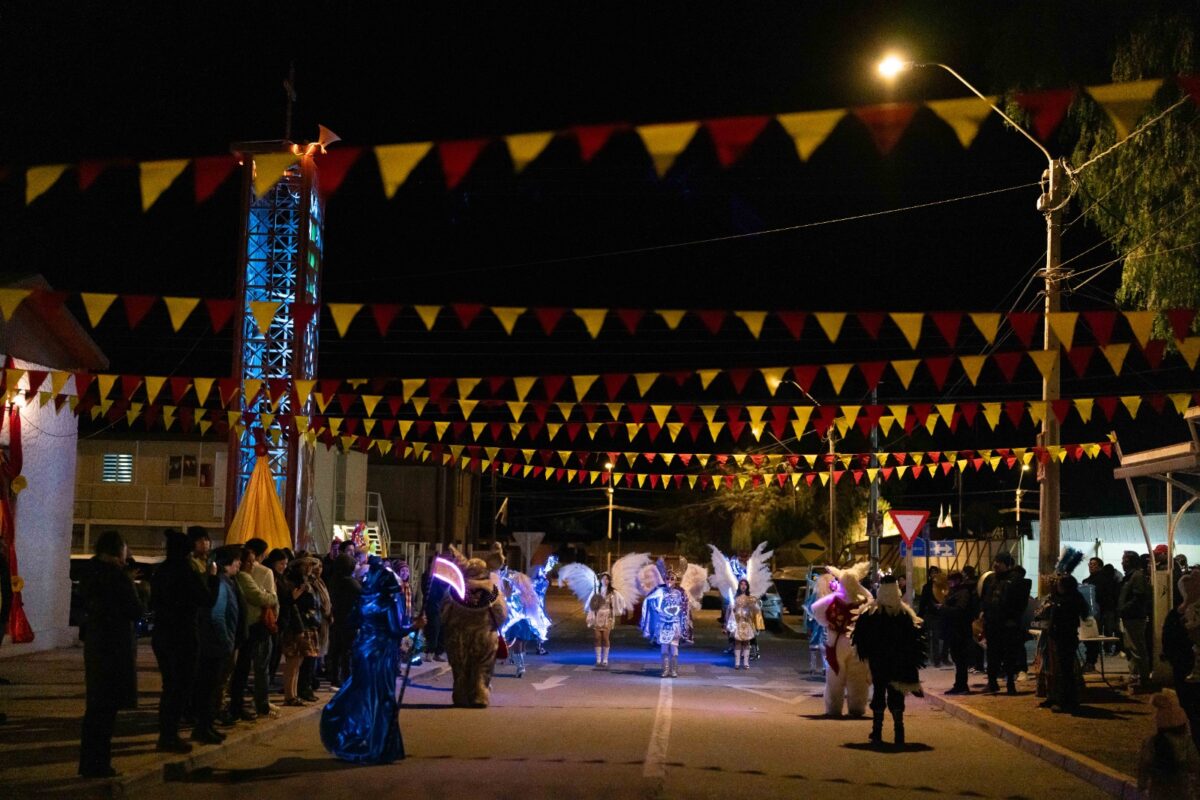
(660,734)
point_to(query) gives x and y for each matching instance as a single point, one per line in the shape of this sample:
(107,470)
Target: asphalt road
(566,731)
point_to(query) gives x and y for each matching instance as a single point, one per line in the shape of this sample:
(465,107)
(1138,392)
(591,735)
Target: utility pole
(608,541)
(833,553)
(1051,204)
(874,521)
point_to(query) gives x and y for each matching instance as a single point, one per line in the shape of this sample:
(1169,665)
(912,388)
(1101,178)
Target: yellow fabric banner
(754,321)
(987,324)
(154,385)
(671,317)
(593,319)
(155,176)
(1046,361)
(1132,403)
(1084,407)
(429,315)
(507,316)
(1125,103)
(714,430)
(904,370)
(179,309)
(10,299)
(582,384)
(370,401)
(418,404)
(964,115)
(1063,325)
(644,381)
(466,386)
(409,387)
(1181,402)
(523,385)
(660,413)
(38,180)
(774,377)
(303,389)
(203,387)
(343,314)
(886,423)
(665,142)
(837,375)
(439,430)
(269,168)
(96,304)
(706,376)
(909,325)
(900,412)
(1189,348)
(1142,325)
(396,162)
(1115,355)
(467,407)
(972,366)
(809,129)
(263,312)
(803,413)
(523,148)
(946,412)
(614,410)
(831,323)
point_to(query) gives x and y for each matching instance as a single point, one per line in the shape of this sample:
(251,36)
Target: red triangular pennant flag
(551,384)
(1061,408)
(1023,324)
(384,314)
(332,168)
(1153,352)
(613,383)
(457,157)
(712,319)
(549,318)
(209,173)
(437,387)
(1191,85)
(886,123)
(805,375)
(592,138)
(947,323)
(793,321)
(466,312)
(872,371)
(871,322)
(1008,362)
(1047,109)
(1101,323)
(219,312)
(302,314)
(136,306)
(738,376)
(1080,357)
(939,368)
(1181,322)
(733,136)
(89,171)
(630,317)
(1015,409)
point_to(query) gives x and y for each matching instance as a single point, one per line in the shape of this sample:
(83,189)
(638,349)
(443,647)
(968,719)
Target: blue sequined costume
(360,723)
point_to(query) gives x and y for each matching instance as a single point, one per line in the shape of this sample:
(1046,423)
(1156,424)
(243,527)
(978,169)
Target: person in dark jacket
(178,594)
(276,561)
(1003,607)
(1064,610)
(960,608)
(219,630)
(433,593)
(344,594)
(930,610)
(1133,607)
(109,653)
(1107,586)
(1178,652)
(889,637)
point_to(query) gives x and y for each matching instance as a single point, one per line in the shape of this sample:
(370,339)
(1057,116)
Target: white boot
(604,657)
(674,665)
(666,673)
(599,658)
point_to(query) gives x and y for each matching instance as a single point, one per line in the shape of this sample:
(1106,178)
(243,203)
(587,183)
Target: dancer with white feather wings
(743,594)
(667,610)
(605,597)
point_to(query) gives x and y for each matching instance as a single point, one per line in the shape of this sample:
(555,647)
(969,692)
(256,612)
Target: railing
(142,504)
(376,524)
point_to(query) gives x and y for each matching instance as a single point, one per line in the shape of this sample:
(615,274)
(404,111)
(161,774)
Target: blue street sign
(936,549)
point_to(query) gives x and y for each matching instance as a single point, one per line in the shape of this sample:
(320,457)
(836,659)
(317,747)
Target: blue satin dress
(361,724)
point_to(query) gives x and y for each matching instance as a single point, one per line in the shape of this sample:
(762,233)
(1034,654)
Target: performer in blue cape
(361,724)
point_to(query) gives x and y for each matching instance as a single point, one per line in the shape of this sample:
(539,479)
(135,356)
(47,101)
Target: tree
(1142,195)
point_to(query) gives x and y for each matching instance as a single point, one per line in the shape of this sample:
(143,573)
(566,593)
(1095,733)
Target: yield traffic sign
(909,523)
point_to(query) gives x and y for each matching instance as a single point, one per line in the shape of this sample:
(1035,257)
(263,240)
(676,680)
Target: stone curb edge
(1115,783)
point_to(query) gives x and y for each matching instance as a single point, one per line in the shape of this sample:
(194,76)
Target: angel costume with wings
(606,596)
(743,597)
(667,611)
(527,622)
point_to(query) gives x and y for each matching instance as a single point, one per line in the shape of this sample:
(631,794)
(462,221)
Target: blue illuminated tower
(280,262)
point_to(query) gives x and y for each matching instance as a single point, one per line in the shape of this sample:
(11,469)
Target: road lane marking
(660,734)
(754,690)
(550,683)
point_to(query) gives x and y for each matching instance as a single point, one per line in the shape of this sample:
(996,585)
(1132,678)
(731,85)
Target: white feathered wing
(723,578)
(758,570)
(694,582)
(580,579)
(625,580)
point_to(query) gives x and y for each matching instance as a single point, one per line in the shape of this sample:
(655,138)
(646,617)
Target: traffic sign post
(909,523)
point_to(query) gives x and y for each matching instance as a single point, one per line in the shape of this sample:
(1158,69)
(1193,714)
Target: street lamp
(608,465)
(1051,203)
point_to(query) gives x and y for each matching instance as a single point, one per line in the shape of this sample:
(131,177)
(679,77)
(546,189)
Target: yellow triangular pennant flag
(428,315)
(671,317)
(909,325)
(905,370)
(269,168)
(477,429)
(154,385)
(837,375)
(673,429)
(179,309)
(809,129)
(1142,325)
(899,412)
(1132,404)
(850,413)
(10,299)
(96,305)
(343,314)
(439,430)
(263,312)
(396,163)
(523,385)
(1046,362)
(409,386)
(1084,407)
(614,410)
(691,479)
(552,429)
(987,324)
(582,384)
(1037,411)
(1115,355)
(58,382)
(660,413)
(466,386)
(824,476)
(203,387)
(507,316)
(1189,348)
(946,412)
(706,376)
(155,176)
(972,365)
(251,387)
(1062,324)
(593,319)
(773,376)
(1126,102)
(418,404)
(467,407)
(931,423)
(803,413)
(831,323)
(754,321)
(885,424)
(665,142)
(523,148)
(710,413)
(38,180)
(370,401)
(714,429)
(964,115)
(644,381)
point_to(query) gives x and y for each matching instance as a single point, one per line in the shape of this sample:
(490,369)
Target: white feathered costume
(847,678)
(602,609)
(741,616)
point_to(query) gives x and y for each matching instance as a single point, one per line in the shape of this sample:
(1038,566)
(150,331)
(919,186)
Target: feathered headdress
(1068,561)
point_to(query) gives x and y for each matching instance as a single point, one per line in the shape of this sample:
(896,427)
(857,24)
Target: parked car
(81,567)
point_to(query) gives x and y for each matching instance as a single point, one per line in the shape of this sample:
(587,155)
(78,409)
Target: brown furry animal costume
(470,624)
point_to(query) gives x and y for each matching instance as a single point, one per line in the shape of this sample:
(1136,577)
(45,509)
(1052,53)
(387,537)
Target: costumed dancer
(471,626)
(666,613)
(889,637)
(605,597)
(541,582)
(846,675)
(818,587)
(361,721)
(1063,612)
(744,594)
(525,624)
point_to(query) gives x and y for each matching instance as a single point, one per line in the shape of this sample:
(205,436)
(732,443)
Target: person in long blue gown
(360,724)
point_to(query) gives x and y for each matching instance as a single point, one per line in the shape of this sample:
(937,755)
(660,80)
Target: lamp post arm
(1008,119)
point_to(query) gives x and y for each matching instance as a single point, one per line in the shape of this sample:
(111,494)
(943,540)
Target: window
(117,468)
(181,469)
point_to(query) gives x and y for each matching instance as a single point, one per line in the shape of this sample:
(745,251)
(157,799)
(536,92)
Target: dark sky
(153,80)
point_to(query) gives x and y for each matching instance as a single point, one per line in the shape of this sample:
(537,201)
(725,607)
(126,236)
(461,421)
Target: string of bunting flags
(1097,325)
(730,138)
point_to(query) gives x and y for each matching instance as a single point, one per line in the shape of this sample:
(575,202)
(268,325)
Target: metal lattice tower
(280,263)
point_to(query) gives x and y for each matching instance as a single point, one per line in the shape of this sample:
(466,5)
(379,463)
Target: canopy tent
(260,513)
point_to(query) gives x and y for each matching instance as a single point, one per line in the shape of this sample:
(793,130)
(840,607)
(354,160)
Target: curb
(1115,783)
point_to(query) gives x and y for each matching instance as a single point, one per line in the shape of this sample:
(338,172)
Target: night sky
(140,81)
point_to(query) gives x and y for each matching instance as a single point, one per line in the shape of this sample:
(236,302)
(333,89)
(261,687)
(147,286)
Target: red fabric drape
(10,468)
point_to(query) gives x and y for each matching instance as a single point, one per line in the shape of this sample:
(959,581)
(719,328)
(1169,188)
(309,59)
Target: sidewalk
(45,703)
(1099,744)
